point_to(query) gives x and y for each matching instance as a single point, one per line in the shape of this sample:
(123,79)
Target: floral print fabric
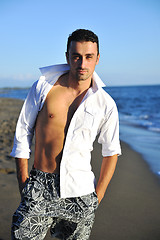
(42,208)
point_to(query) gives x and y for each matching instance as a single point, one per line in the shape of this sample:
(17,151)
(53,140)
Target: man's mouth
(81,71)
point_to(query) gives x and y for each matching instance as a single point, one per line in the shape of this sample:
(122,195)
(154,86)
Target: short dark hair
(81,35)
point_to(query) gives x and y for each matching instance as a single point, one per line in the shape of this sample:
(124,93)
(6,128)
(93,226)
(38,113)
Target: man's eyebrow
(90,54)
(75,53)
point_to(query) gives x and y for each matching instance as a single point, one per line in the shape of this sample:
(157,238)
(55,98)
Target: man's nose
(82,62)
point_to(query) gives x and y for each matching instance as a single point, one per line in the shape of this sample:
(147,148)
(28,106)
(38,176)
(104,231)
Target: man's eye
(89,57)
(75,57)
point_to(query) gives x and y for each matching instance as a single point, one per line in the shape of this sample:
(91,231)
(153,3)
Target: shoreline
(145,143)
(130,208)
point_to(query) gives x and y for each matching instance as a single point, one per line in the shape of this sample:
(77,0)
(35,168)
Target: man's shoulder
(43,85)
(102,102)
(51,74)
(104,95)
(37,85)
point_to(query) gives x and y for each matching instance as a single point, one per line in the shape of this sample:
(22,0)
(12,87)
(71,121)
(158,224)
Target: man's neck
(78,86)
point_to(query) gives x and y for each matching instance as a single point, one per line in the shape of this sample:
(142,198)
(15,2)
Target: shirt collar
(60,69)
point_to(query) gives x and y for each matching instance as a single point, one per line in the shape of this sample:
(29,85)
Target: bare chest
(59,109)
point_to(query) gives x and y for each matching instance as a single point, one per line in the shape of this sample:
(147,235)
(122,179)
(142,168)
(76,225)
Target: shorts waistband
(40,173)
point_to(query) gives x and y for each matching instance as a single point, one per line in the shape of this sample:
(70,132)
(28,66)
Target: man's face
(82,58)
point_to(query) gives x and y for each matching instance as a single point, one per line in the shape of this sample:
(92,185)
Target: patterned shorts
(42,208)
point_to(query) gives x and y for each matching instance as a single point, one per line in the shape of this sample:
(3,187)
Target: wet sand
(130,209)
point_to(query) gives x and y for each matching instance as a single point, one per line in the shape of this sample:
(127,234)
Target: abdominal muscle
(48,149)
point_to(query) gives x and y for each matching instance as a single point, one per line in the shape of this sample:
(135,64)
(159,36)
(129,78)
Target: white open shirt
(96,115)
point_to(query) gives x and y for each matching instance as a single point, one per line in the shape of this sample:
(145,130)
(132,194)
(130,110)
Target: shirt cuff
(19,153)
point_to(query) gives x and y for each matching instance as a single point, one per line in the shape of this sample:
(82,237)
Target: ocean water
(139,112)
(18,93)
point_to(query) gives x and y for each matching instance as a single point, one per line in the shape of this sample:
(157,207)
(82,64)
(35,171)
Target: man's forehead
(83,44)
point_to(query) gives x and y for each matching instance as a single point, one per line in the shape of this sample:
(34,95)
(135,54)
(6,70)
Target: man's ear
(98,59)
(67,57)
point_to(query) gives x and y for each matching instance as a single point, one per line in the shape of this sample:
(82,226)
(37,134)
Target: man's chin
(82,77)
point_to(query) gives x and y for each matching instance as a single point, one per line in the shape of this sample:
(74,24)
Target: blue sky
(34,34)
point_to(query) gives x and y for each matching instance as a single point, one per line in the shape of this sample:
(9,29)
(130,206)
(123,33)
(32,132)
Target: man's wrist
(100,195)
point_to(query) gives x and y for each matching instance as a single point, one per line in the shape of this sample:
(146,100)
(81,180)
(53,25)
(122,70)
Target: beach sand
(130,209)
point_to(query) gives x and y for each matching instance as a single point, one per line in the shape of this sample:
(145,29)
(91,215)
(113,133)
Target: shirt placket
(63,169)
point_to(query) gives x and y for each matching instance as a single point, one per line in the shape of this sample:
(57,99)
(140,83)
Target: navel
(51,115)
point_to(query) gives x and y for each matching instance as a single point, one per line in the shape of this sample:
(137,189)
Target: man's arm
(22,172)
(107,170)
(25,124)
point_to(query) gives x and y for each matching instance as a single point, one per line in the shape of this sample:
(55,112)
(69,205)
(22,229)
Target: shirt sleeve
(25,125)
(109,134)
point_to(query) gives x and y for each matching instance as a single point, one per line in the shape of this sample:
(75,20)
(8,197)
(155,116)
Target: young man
(67,108)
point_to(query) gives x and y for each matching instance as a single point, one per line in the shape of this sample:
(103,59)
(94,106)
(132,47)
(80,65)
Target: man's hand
(22,184)
(107,170)
(99,196)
